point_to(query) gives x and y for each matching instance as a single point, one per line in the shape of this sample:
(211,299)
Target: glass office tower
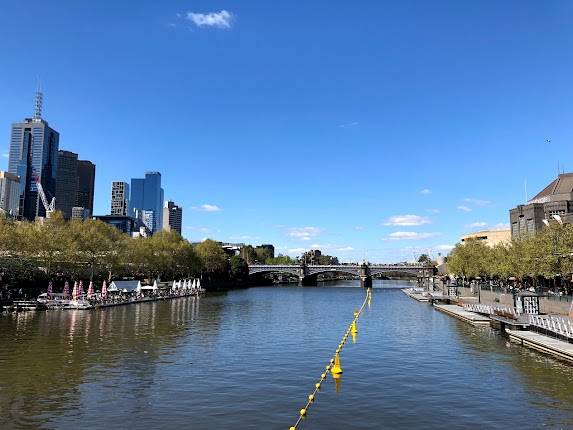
(147,196)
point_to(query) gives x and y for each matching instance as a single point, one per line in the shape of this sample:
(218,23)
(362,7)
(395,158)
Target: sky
(367,129)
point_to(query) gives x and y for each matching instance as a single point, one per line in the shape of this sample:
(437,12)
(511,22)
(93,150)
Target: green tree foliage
(239,268)
(281,260)
(213,259)
(249,254)
(546,254)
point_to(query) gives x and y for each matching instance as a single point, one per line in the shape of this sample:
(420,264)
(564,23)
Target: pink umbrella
(81,289)
(66,290)
(75,291)
(104,291)
(91,289)
(49,292)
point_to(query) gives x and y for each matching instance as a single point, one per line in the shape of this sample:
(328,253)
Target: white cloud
(358,228)
(5,154)
(295,251)
(477,224)
(349,124)
(445,247)
(476,202)
(199,229)
(303,233)
(407,220)
(433,211)
(409,235)
(243,237)
(220,19)
(207,208)
(463,208)
(344,249)
(426,191)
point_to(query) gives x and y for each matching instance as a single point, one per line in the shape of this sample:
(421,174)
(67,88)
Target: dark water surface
(248,359)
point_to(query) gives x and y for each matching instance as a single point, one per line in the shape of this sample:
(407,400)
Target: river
(249,358)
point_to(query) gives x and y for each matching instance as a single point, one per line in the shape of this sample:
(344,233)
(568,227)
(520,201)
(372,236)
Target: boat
(28,305)
(79,304)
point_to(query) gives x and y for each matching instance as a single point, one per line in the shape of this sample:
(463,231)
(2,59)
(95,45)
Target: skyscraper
(86,184)
(172,217)
(119,198)
(74,183)
(34,157)
(147,195)
(67,182)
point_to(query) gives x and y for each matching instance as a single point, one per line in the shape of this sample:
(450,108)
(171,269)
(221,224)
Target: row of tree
(545,255)
(57,249)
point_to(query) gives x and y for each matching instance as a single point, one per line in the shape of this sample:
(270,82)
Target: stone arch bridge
(308,274)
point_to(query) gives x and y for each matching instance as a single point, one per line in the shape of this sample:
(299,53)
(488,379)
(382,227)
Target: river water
(249,358)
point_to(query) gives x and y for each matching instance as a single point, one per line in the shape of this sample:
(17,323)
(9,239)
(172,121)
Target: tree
(249,254)
(213,259)
(238,268)
(424,259)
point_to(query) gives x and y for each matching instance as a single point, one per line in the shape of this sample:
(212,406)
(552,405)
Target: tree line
(33,253)
(531,260)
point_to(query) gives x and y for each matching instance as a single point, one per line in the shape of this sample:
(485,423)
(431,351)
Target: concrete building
(123,223)
(147,195)
(269,248)
(34,156)
(172,217)
(9,193)
(86,185)
(489,237)
(555,199)
(119,198)
(66,182)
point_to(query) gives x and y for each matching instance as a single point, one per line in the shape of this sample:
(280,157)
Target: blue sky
(378,128)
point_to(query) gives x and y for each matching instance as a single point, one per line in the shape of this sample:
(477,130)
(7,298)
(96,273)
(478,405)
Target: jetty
(463,315)
(541,342)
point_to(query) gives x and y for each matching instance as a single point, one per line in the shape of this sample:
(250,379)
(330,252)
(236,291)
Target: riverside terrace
(308,274)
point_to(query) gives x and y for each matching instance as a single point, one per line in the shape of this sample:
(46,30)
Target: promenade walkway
(542,343)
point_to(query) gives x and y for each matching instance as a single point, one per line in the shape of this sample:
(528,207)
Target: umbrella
(81,289)
(104,291)
(49,292)
(91,289)
(66,289)
(75,291)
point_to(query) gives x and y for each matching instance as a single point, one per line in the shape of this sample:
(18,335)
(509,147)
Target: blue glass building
(147,196)
(34,153)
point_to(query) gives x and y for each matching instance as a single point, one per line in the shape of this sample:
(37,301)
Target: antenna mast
(38,102)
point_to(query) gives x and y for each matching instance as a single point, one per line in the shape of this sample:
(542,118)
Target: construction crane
(51,207)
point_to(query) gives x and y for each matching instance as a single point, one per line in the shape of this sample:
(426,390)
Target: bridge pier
(366,281)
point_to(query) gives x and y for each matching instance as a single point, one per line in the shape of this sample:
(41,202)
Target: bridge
(308,274)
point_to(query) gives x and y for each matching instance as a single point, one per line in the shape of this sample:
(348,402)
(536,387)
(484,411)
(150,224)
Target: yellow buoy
(354,330)
(317,385)
(292,428)
(311,398)
(336,369)
(302,412)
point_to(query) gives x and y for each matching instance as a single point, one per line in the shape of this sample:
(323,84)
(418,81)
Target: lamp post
(478,279)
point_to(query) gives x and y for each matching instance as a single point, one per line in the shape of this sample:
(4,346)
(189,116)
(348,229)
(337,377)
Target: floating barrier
(334,367)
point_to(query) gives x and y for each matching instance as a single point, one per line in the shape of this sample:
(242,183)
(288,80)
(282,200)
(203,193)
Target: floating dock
(461,314)
(421,296)
(540,342)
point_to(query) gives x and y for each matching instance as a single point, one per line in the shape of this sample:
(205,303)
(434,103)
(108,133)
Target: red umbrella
(75,291)
(81,289)
(91,289)
(104,291)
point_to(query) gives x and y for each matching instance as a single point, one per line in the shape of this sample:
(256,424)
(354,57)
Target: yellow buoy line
(334,367)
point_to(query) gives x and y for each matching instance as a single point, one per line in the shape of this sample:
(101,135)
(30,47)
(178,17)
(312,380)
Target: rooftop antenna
(38,102)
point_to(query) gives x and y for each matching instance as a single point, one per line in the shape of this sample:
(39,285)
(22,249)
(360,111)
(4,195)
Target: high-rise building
(67,182)
(147,195)
(74,183)
(80,213)
(172,217)
(119,198)
(86,185)
(34,157)
(9,193)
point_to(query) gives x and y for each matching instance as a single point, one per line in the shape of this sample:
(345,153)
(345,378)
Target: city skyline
(294,149)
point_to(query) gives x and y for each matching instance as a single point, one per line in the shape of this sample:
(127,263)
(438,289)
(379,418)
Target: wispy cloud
(476,202)
(221,19)
(349,124)
(445,247)
(433,211)
(426,191)
(295,251)
(206,207)
(407,220)
(5,154)
(343,249)
(358,228)
(303,233)
(199,229)
(243,237)
(463,208)
(410,235)
(477,224)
